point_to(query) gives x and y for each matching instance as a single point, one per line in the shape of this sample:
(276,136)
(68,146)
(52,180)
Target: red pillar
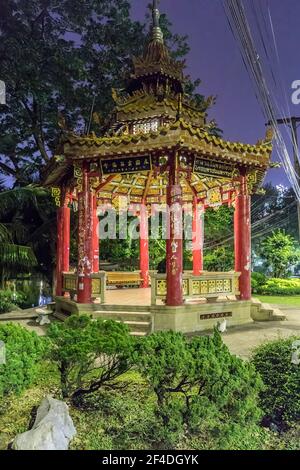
(144,246)
(95,237)
(174,243)
(63,244)
(66,239)
(59,252)
(198,227)
(242,239)
(85,240)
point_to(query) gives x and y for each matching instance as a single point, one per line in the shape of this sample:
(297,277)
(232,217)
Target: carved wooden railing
(207,285)
(70,281)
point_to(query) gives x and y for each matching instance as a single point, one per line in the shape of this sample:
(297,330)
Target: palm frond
(47,227)
(18,231)
(20,197)
(16,256)
(5,235)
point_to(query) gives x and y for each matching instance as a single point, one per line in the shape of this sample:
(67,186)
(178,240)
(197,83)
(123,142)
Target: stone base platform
(201,317)
(188,318)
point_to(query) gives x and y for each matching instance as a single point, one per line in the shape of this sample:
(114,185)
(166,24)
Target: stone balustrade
(208,285)
(70,281)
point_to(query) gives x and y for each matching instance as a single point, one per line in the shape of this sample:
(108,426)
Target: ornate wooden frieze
(251,181)
(78,176)
(126,165)
(56,194)
(214,168)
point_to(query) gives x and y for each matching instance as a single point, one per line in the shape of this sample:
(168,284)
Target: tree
(198,385)
(24,350)
(218,239)
(275,207)
(89,354)
(62,58)
(280,398)
(27,232)
(15,256)
(280,253)
(220,259)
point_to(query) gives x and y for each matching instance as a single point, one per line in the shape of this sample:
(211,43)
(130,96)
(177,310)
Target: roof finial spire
(157,34)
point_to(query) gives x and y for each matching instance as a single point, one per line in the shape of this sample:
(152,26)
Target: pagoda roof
(178,135)
(144,105)
(155,92)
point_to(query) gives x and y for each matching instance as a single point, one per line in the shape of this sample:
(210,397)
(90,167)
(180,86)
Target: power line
(240,28)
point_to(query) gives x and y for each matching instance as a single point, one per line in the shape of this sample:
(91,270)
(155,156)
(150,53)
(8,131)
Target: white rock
(52,430)
(222,326)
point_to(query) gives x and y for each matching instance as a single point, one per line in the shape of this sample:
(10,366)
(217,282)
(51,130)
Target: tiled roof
(178,134)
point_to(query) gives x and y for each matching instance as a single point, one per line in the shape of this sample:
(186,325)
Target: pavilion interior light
(262,62)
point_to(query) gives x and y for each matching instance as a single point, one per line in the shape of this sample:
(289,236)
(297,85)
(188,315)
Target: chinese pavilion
(158,148)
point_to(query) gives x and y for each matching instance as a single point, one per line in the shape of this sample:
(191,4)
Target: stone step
(265,312)
(140,334)
(133,325)
(18,315)
(256,302)
(122,308)
(61,316)
(123,315)
(278,315)
(142,326)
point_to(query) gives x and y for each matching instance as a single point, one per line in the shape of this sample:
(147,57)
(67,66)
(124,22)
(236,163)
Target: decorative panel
(227,285)
(144,127)
(69,283)
(161,287)
(212,286)
(185,287)
(204,287)
(211,316)
(96,286)
(196,287)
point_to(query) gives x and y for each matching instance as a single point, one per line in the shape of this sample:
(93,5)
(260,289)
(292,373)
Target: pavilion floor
(138,296)
(141,297)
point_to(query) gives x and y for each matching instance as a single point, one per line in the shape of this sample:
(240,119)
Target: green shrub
(279,287)
(280,399)
(199,386)
(6,303)
(258,280)
(24,350)
(219,259)
(289,440)
(89,353)
(10,299)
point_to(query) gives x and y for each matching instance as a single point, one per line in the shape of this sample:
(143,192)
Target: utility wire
(239,25)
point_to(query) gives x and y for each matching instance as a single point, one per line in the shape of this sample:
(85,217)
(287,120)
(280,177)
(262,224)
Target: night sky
(216,59)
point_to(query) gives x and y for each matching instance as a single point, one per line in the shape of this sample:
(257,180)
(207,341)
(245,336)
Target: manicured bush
(89,353)
(6,304)
(24,350)
(257,281)
(280,399)
(199,386)
(278,287)
(10,299)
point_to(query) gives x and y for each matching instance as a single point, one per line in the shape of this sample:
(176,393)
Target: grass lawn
(290,301)
(117,420)
(125,419)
